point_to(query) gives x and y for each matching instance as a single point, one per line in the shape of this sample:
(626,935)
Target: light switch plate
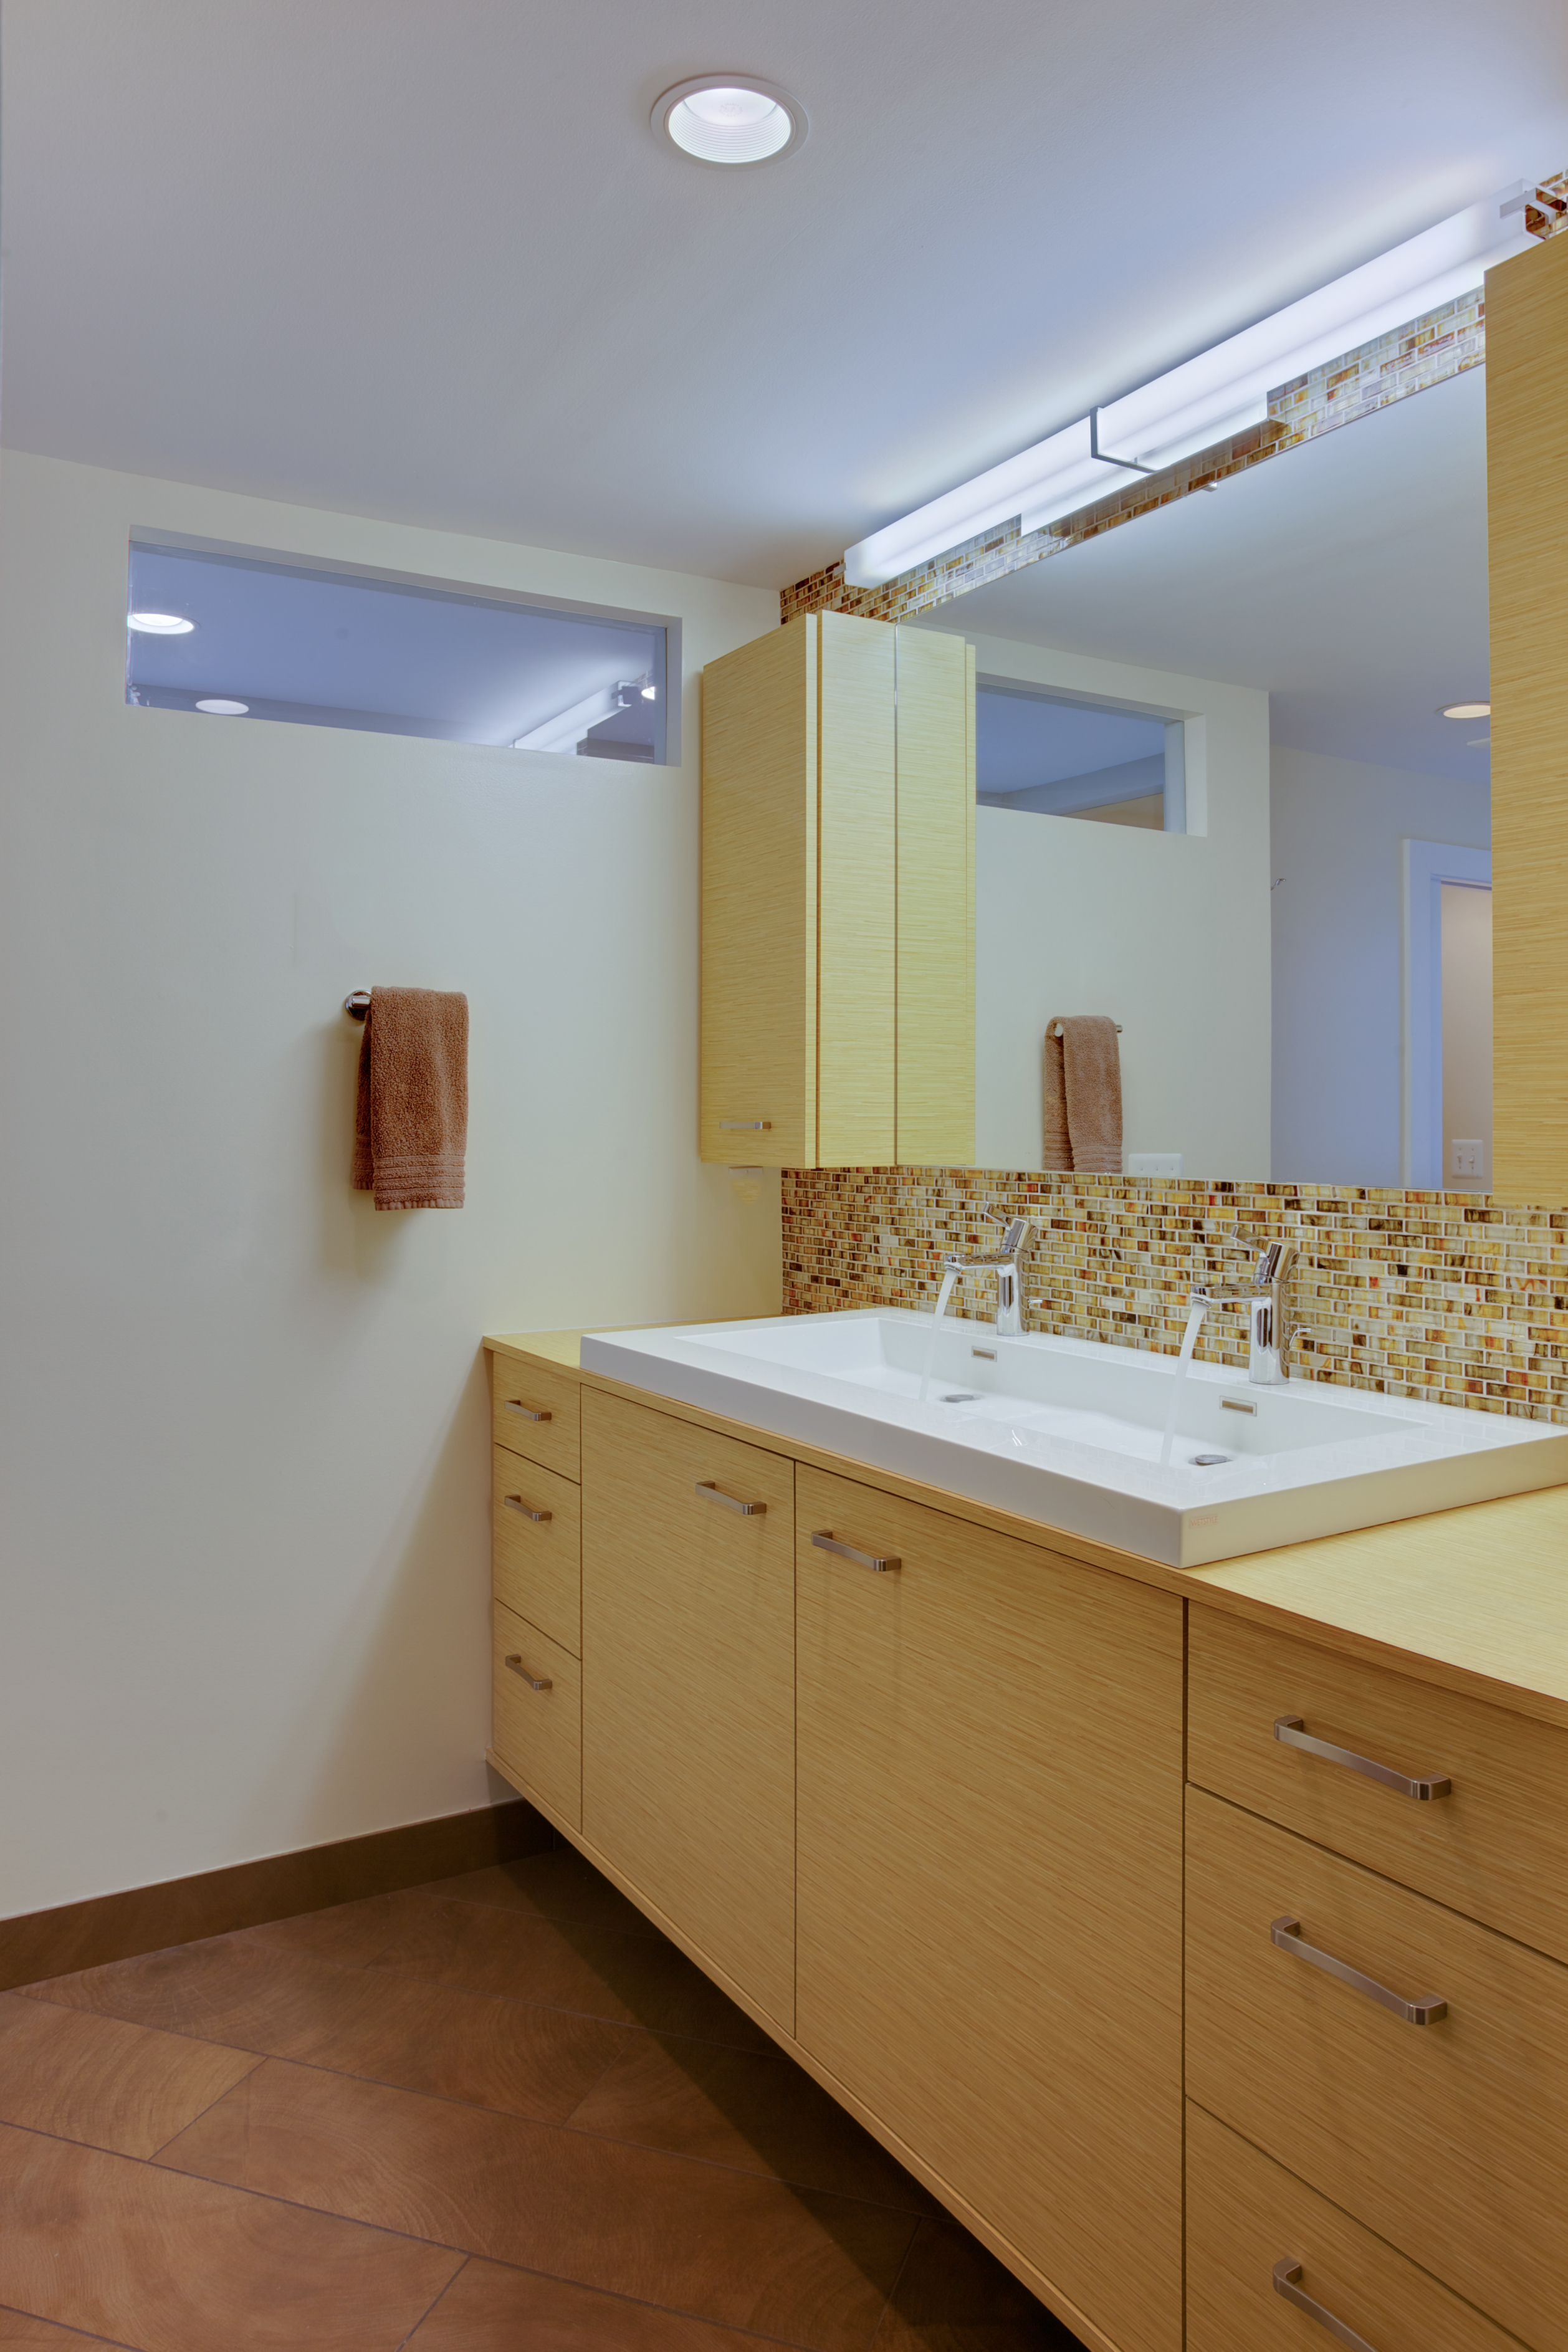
(1464,1155)
(1153,1163)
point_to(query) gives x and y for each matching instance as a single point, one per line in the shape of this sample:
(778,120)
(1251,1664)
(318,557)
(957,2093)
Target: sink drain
(963,1396)
(1207,1461)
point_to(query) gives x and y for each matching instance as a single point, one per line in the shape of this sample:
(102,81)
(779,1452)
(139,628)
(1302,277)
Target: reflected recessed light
(161,625)
(731,118)
(651,694)
(221,710)
(1466,710)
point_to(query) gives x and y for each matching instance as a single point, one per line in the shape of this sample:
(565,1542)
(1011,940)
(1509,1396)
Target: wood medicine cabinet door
(989,1881)
(837,897)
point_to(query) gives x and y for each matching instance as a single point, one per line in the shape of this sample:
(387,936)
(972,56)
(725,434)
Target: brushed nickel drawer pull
(1291,1732)
(534,1682)
(730,1502)
(744,1125)
(516,1503)
(1236,1404)
(516,1404)
(825,1540)
(1288,2282)
(1286,1933)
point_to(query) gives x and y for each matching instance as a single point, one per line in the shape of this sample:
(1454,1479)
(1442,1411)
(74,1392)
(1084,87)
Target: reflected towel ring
(357,1005)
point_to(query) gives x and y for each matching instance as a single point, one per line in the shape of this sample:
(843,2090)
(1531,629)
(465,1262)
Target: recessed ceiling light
(221,710)
(161,625)
(1466,710)
(731,118)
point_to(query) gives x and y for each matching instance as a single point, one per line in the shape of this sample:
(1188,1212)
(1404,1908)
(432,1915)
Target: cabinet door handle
(730,1502)
(825,1540)
(1286,1933)
(534,1682)
(516,1503)
(745,1126)
(1291,1732)
(1288,2282)
(516,1404)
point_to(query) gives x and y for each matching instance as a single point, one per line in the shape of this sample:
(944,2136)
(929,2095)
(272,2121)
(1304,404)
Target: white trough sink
(1069,1432)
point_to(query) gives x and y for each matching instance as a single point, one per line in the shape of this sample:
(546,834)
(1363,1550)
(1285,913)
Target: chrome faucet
(1270,1334)
(1004,1258)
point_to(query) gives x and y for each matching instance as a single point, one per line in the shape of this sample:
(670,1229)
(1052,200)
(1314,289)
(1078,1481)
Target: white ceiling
(428,261)
(1348,577)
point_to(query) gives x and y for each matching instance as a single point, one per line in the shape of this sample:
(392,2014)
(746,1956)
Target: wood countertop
(1474,1599)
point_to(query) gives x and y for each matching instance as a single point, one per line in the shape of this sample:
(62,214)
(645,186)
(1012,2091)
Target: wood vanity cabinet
(989,1881)
(992,1832)
(837,1021)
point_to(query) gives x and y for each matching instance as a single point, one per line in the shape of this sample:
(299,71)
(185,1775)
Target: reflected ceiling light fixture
(731,118)
(220,708)
(1466,710)
(160,624)
(1221,391)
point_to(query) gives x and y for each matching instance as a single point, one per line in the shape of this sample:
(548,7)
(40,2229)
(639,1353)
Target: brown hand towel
(1081,1092)
(411,1116)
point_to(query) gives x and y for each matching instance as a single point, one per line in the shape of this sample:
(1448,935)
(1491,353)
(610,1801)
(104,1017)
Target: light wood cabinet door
(935,899)
(1247,2215)
(689,1682)
(989,1881)
(1448,2138)
(759,901)
(1494,1845)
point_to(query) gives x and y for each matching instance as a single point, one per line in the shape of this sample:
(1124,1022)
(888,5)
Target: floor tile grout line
(465,2106)
(405,2236)
(211,2104)
(409,2335)
(120,2342)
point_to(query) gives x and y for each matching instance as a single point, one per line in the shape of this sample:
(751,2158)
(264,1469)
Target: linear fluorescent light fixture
(1223,391)
(567,728)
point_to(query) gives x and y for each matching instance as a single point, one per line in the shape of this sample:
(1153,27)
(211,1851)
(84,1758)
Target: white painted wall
(245,1434)
(1166,932)
(1338,827)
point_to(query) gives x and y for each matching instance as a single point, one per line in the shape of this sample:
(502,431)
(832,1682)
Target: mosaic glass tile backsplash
(1445,1296)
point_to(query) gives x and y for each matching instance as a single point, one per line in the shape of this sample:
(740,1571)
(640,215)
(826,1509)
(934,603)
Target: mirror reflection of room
(1284,899)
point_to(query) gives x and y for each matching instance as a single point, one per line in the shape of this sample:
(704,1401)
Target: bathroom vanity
(1197,1935)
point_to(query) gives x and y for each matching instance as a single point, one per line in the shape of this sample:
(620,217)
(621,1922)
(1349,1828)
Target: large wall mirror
(1219,804)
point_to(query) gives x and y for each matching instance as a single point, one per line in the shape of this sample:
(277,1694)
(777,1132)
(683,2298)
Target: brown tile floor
(501,2113)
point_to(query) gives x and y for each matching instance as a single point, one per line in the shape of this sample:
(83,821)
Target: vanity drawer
(1495,1846)
(1245,2214)
(1450,2138)
(536,1555)
(537,1410)
(538,1713)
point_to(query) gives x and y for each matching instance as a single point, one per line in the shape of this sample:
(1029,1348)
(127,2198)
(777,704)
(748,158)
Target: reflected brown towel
(411,1116)
(1080,1091)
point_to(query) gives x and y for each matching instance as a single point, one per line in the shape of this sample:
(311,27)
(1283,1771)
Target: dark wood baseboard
(215,1902)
